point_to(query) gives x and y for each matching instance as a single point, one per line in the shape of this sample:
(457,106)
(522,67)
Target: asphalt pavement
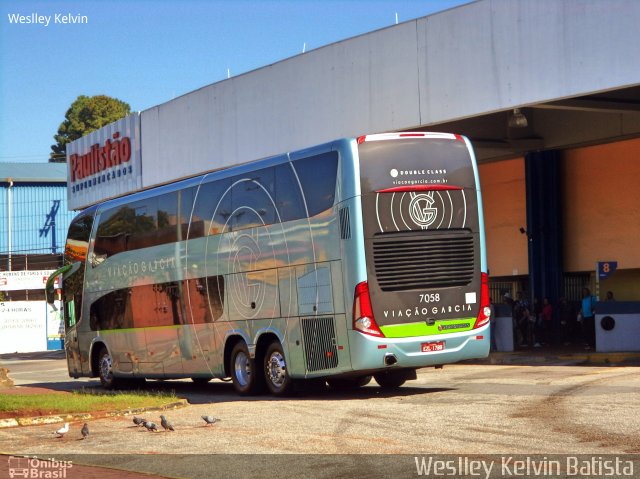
(532,401)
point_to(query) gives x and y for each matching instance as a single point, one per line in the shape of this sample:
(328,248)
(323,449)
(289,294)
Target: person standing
(536,323)
(508,299)
(522,317)
(588,318)
(547,321)
(567,318)
(493,323)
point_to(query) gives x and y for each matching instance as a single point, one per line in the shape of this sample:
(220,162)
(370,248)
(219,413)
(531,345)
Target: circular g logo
(422,211)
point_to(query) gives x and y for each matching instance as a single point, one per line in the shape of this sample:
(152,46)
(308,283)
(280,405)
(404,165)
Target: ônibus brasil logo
(38,468)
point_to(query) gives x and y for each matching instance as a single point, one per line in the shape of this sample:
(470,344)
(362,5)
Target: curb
(579,359)
(40,420)
(617,359)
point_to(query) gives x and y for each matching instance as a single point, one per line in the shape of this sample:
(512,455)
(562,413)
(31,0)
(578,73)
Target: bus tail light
(363,319)
(485,311)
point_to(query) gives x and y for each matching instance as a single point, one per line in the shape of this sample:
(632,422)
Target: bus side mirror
(50,295)
(50,286)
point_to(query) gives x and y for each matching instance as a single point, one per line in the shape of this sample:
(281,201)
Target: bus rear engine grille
(319,337)
(423,262)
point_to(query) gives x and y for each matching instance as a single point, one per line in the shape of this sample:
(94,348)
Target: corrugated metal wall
(39,218)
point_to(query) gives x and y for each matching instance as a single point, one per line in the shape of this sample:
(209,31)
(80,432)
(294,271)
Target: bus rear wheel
(276,373)
(247,379)
(391,379)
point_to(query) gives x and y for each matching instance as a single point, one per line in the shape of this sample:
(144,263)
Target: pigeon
(85,431)
(210,420)
(138,421)
(166,424)
(63,430)
(151,426)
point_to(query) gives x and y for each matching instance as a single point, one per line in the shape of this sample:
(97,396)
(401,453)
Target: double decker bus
(359,258)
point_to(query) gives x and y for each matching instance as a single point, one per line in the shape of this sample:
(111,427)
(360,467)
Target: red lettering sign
(100,158)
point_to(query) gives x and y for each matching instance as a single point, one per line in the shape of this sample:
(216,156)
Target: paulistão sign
(105,163)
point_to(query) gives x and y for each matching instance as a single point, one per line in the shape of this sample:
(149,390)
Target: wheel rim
(106,368)
(276,369)
(242,369)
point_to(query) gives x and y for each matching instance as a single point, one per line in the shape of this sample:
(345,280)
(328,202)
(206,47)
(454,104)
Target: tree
(85,115)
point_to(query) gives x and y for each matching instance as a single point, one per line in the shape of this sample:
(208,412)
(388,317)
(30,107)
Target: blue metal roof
(39,215)
(33,172)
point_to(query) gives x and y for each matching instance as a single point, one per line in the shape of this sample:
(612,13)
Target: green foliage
(83,401)
(86,114)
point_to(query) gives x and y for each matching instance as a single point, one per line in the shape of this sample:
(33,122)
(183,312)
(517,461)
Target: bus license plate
(435,346)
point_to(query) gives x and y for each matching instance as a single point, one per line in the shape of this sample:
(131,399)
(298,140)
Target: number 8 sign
(606,268)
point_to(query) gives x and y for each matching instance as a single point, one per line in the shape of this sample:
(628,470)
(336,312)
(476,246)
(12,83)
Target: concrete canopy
(570,65)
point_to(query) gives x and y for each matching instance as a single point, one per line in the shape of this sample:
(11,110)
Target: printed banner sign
(17,280)
(23,326)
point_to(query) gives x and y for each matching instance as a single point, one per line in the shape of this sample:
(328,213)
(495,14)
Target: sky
(146,52)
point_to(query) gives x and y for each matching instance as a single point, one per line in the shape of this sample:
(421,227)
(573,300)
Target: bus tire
(245,376)
(348,384)
(276,372)
(105,370)
(391,379)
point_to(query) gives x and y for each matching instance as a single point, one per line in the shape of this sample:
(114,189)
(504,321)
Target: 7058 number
(430,298)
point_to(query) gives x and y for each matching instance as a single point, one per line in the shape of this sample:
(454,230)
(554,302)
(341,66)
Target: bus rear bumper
(370,352)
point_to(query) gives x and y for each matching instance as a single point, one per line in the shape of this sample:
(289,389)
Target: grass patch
(81,401)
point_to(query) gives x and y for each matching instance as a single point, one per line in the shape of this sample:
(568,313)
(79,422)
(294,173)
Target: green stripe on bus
(423,329)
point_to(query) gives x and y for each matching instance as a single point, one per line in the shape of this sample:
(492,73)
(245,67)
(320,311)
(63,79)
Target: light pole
(9,207)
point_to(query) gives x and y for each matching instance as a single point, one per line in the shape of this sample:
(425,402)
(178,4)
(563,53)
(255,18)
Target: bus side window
(253,198)
(183,209)
(211,211)
(145,226)
(215,295)
(167,218)
(111,233)
(289,203)
(174,211)
(317,175)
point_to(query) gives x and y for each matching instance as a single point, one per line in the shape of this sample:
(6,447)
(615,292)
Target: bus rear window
(414,161)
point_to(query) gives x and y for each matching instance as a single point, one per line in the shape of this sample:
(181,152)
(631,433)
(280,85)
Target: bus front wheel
(245,376)
(105,370)
(275,370)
